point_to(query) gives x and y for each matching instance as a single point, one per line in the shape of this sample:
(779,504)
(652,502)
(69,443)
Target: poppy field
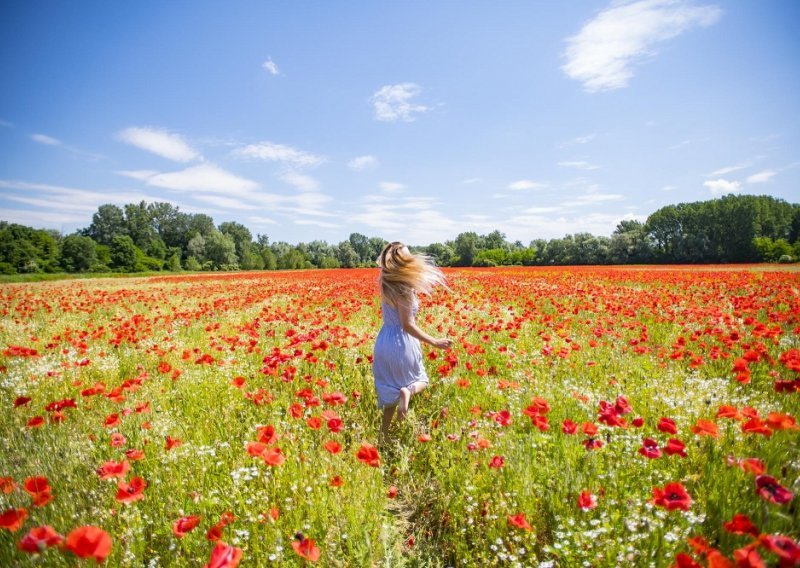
(595,416)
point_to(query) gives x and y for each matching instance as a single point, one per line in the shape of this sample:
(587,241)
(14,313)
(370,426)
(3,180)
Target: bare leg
(405,397)
(388,414)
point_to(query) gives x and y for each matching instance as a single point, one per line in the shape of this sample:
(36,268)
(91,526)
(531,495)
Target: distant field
(591,416)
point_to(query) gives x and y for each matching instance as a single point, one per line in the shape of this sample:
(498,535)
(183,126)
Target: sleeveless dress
(397,358)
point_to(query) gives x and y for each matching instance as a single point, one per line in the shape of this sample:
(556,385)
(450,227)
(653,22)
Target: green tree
(241,236)
(466,247)
(125,255)
(347,255)
(221,251)
(108,222)
(78,253)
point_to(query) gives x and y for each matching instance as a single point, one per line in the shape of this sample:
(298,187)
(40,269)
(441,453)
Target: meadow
(596,416)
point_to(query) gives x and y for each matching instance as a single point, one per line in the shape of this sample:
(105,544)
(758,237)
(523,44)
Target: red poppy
(769,488)
(7,484)
(650,449)
(589,429)
(39,539)
(337,481)
(134,454)
(717,560)
(35,422)
(503,418)
(726,411)
(335,425)
(587,501)
(748,557)
(569,427)
(185,525)
(369,455)
(424,438)
(756,426)
(12,519)
(392,492)
(779,421)
(305,548)
(705,427)
(21,401)
(112,469)
(117,440)
(519,521)
(224,556)
(314,422)
(740,524)
(171,442)
(497,462)
(130,492)
(783,547)
(332,446)
(752,465)
(266,434)
(672,496)
(683,560)
(39,489)
(238,382)
(667,425)
(675,447)
(111,421)
(273,457)
(89,542)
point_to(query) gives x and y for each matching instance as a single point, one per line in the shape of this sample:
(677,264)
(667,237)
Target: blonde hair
(403,272)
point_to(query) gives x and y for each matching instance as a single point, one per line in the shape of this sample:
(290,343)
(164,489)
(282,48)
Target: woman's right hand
(443,343)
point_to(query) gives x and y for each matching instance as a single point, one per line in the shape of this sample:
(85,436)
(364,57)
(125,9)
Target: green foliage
(78,253)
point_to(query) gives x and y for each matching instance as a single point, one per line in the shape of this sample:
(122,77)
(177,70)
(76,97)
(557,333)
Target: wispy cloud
(578,165)
(272,152)
(300,181)
(206,178)
(160,142)
(578,140)
(721,186)
(271,66)
(393,103)
(45,139)
(761,177)
(362,163)
(391,186)
(524,184)
(604,53)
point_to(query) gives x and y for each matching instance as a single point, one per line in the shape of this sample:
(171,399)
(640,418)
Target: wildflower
(519,521)
(185,525)
(587,501)
(740,524)
(672,496)
(12,519)
(667,425)
(675,447)
(89,542)
(39,539)
(305,547)
(496,462)
(130,492)
(650,449)
(224,556)
(369,455)
(769,488)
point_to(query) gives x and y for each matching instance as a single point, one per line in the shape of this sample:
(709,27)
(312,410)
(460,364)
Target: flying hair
(402,273)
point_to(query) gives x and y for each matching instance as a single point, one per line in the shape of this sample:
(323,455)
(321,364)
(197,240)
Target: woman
(397,358)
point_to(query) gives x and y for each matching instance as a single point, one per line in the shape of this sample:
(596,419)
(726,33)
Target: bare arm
(410,327)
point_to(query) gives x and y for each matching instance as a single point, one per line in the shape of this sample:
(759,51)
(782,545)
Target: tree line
(159,237)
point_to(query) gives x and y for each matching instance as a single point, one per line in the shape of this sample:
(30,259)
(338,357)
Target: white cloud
(603,54)
(271,152)
(578,140)
(362,163)
(141,175)
(323,224)
(578,165)
(761,177)
(539,210)
(259,220)
(720,186)
(205,178)
(271,66)
(391,187)
(523,184)
(222,202)
(160,142)
(393,102)
(300,181)
(727,170)
(45,139)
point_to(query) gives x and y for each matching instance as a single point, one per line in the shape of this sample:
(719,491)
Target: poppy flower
(705,427)
(117,440)
(503,418)
(185,525)
(12,519)
(89,542)
(756,426)
(497,462)
(7,484)
(748,557)
(769,488)
(305,548)
(787,550)
(779,421)
(224,556)
(424,438)
(39,489)
(675,447)
(392,492)
(589,429)
(112,469)
(726,411)
(335,425)
(650,449)
(35,422)
(39,539)
(519,521)
(337,481)
(752,465)
(134,454)
(21,401)
(171,442)
(111,421)
(667,425)
(672,496)
(273,457)
(130,492)
(740,524)
(266,434)
(569,427)
(369,455)
(587,501)
(314,422)
(683,560)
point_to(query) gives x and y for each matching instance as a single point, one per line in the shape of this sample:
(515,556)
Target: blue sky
(412,121)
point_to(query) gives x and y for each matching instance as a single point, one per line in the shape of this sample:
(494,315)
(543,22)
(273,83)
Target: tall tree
(108,222)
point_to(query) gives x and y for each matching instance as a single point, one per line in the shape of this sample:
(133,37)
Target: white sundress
(397,357)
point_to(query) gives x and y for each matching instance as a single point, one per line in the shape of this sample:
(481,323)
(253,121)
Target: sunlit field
(585,417)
